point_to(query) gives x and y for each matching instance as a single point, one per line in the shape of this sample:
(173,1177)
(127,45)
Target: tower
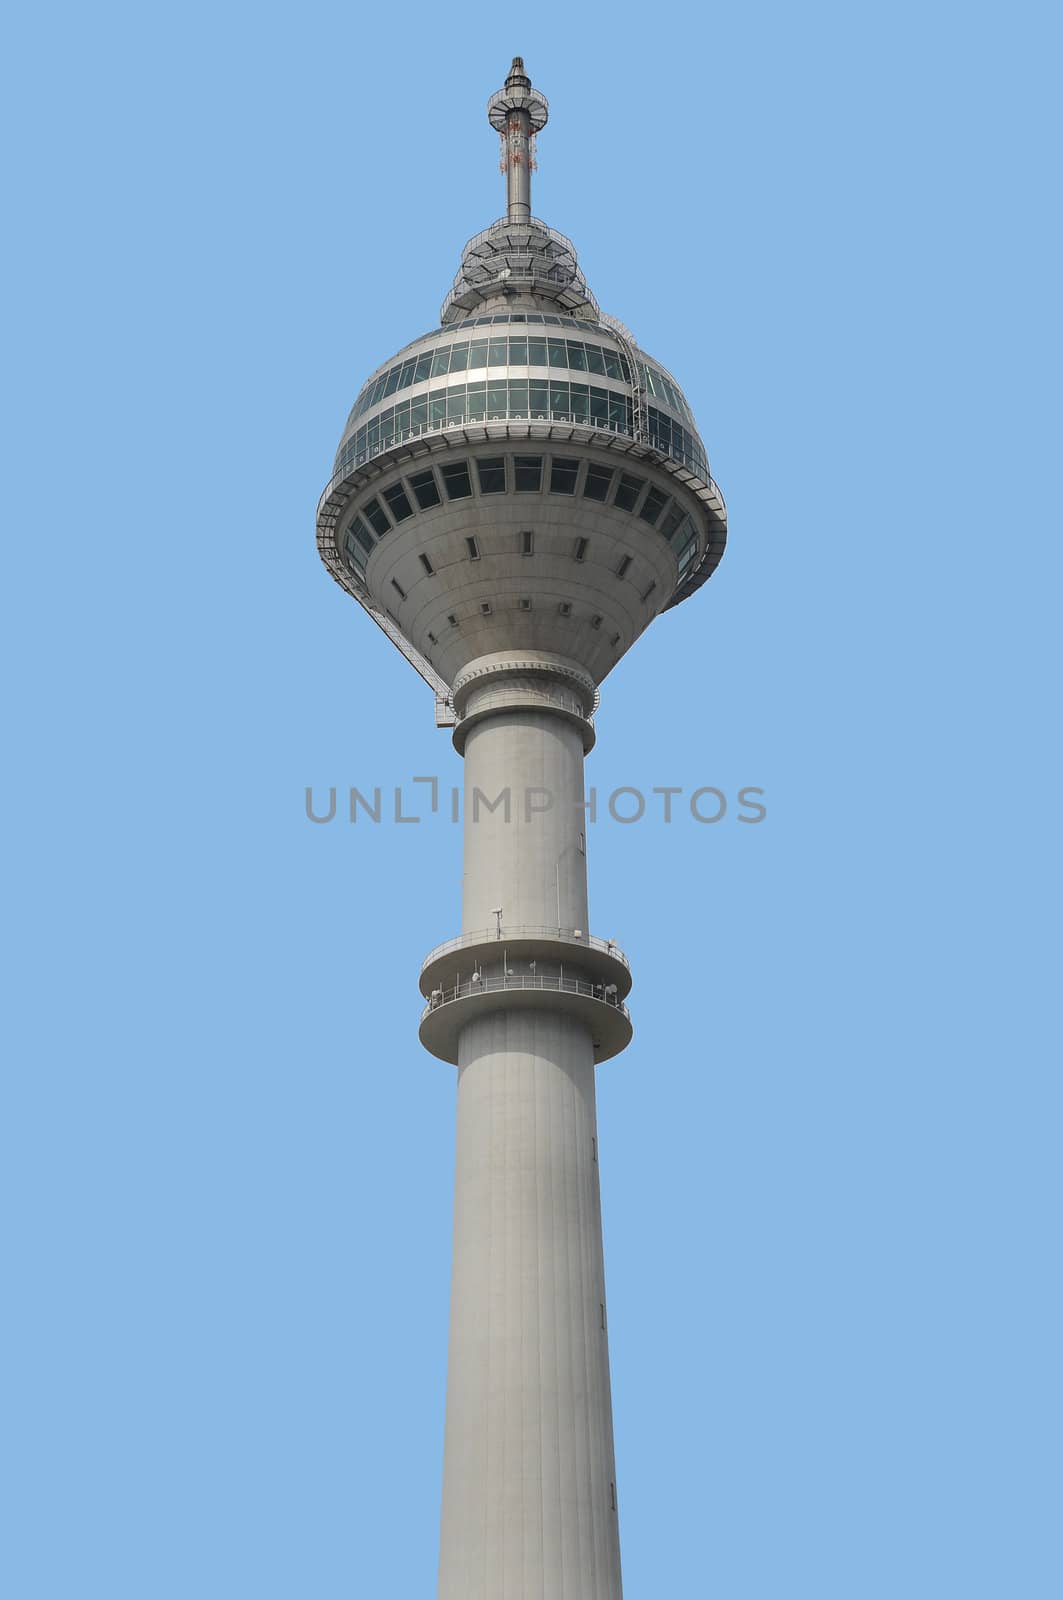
(517,495)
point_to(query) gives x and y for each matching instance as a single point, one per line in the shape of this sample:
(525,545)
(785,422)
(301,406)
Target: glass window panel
(424,487)
(563,475)
(423,369)
(652,506)
(497,397)
(456,480)
(538,397)
(553,321)
(518,316)
(576,355)
(528,473)
(499,353)
(377,517)
(441,362)
(558,353)
(518,397)
(478,353)
(627,491)
(518,352)
(559,398)
(419,412)
(355,556)
(406,375)
(596,484)
(398,504)
(618,417)
(536,352)
(534,316)
(595,358)
(679,536)
(491,471)
(392,381)
(459,356)
(672,520)
(362,534)
(477,401)
(599,406)
(437,409)
(580,402)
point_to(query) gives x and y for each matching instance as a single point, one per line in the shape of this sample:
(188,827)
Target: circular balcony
(449,1010)
(600,962)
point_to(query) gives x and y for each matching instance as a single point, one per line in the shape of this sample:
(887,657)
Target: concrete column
(528,854)
(529,1482)
(529,1499)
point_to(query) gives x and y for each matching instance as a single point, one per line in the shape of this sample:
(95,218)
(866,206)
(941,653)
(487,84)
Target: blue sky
(830,1158)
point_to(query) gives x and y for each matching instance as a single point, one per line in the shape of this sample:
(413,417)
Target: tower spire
(518,112)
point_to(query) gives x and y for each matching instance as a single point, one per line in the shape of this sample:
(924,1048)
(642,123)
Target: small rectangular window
(377,516)
(432,639)
(612,1497)
(615,640)
(596,620)
(625,562)
(596,485)
(601,1307)
(473,548)
(423,485)
(399,590)
(398,504)
(528,473)
(627,491)
(582,845)
(594,1147)
(524,604)
(565,608)
(427,565)
(452,619)
(527,542)
(456,480)
(491,471)
(485,608)
(652,506)
(647,592)
(563,474)
(580,551)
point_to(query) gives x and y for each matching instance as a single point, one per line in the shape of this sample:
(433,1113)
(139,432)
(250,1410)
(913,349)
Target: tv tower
(518,493)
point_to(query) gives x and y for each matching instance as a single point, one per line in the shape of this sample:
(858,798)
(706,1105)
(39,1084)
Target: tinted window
(492,474)
(596,484)
(398,504)
(528,472)
(456,480)
(377,517)
(653,506)
(628,491)
(563,476)
(423,485)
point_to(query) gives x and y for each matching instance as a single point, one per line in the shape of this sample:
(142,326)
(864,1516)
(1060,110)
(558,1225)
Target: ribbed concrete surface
(528,1490)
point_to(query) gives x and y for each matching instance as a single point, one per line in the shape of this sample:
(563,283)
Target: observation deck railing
(462,991)
(499,936)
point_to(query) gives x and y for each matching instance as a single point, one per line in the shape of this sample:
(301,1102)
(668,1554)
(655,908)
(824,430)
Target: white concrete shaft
(529,1497)
(525,855)
(529,1482)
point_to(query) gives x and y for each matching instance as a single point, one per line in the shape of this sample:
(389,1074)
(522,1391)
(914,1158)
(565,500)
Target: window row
(470,355)
(662,388)
(505,399)
(525,474)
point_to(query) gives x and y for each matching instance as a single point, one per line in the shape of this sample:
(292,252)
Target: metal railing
(604,993)
(499,936)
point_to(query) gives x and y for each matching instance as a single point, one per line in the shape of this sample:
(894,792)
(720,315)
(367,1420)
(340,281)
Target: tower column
(529,1482)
